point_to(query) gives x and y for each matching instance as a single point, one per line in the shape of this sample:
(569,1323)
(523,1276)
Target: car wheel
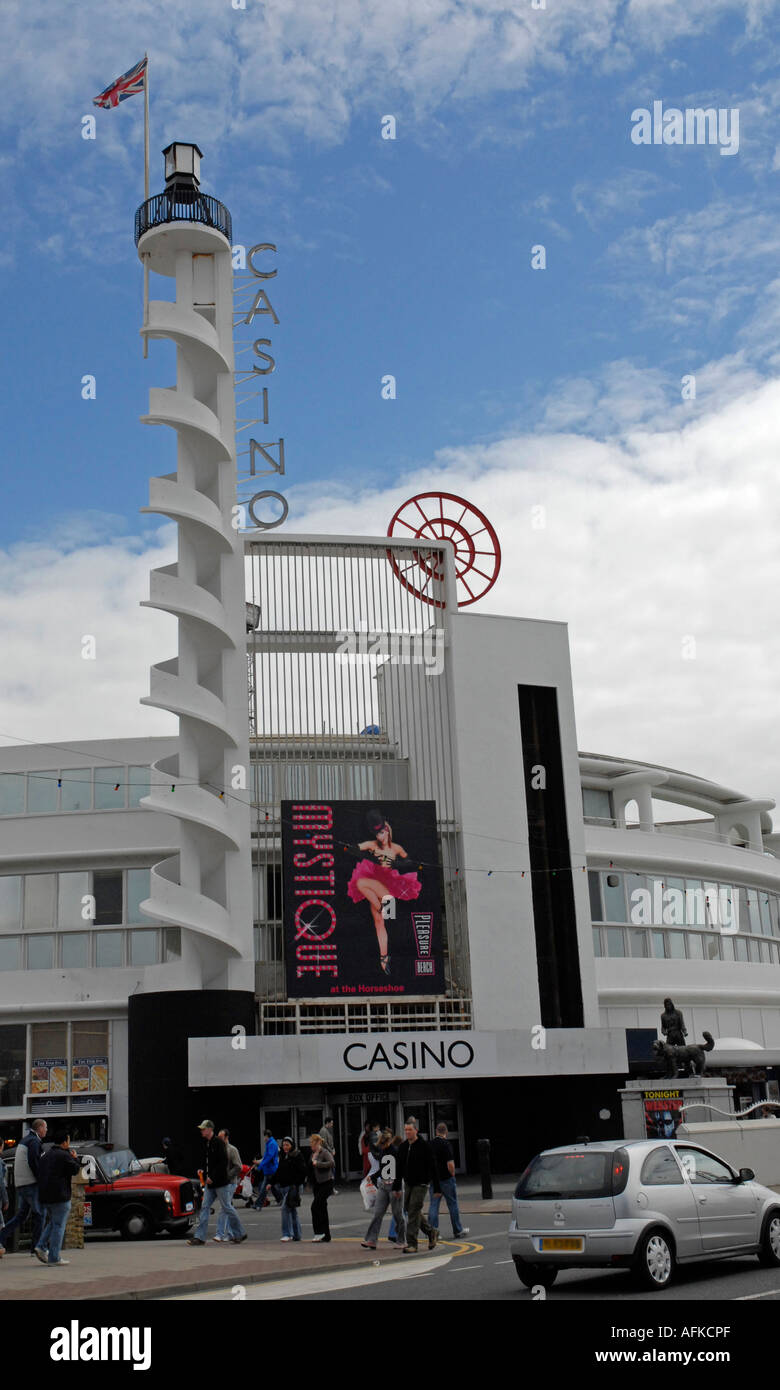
(769,1254)
(136,1225)
(530,1275)
(654,1262)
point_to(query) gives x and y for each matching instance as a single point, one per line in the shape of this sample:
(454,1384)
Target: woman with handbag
(321,1165)
(290,1177)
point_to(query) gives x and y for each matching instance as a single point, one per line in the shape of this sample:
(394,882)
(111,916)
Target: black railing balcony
(182,203)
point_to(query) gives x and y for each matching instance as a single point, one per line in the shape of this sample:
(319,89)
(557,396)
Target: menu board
(89,1074)
(49,1076)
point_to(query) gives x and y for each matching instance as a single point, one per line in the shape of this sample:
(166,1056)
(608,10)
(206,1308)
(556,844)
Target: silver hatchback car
(645,1205)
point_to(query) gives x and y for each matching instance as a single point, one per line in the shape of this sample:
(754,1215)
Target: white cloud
(661,529)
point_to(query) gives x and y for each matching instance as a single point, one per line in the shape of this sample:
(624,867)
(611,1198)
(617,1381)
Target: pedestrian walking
(445,1185)
(321,1179)
(414,1172)
(234,1173)
(55,1174)
(290,1178)
(329,1140)
(267,1168)
(385,1194)
(365,1142)
(26,1162)
(172,1158)
(394,1234)
(3,1201)
(216,1185)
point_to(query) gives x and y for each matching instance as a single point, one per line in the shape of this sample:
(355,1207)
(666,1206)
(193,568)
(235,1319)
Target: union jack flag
(123,87)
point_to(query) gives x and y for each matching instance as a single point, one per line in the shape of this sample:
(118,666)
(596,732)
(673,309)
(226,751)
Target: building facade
(371,875)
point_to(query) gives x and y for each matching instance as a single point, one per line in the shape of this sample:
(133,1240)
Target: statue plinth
(647,1101)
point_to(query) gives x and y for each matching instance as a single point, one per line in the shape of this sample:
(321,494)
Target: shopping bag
(246,1188)
(368,1193)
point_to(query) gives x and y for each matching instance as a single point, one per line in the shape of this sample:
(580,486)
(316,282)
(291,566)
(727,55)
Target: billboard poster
(362,899)
(662,1113)
(89,1074)
(49,1076)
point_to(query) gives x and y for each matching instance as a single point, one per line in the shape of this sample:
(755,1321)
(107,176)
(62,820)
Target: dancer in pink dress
(376,879)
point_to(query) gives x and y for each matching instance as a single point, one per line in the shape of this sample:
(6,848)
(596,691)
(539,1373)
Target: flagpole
(146,195)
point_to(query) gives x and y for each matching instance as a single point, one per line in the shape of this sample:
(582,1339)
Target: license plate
(550,1243)
(189,1206)
(87,1213)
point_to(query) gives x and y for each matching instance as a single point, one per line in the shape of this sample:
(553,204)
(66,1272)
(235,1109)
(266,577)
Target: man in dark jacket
(55,1174)
(216,1184)
(26,1161)
(416,1170)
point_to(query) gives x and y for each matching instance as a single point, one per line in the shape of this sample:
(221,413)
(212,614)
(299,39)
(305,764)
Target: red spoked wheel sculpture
(444,516)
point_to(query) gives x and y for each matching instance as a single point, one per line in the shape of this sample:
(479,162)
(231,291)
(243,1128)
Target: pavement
(109,1268)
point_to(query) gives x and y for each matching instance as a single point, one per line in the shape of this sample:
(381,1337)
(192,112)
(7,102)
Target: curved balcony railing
(182,204)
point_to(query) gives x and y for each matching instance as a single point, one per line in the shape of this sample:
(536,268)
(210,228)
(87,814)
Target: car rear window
(584,1173)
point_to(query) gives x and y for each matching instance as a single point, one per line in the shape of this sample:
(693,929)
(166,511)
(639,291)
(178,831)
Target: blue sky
(412,256)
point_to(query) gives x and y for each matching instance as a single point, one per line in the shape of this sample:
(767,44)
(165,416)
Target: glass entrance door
(351,1119)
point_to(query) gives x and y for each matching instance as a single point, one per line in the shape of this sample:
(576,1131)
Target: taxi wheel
(769,1254)
(654,1262)
(530,1275)
(136,1225)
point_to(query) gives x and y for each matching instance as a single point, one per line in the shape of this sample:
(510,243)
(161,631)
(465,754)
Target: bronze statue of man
(673,1024)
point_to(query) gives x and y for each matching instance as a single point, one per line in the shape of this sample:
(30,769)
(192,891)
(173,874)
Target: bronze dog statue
(690,1057)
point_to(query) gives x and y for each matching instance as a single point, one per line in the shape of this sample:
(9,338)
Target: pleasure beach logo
(695,125)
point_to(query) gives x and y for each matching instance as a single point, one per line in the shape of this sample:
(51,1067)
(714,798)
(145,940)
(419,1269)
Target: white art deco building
(146,923)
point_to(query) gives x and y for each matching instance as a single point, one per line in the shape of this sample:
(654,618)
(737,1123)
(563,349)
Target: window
(11,793)
(364,781)
(10,900)
(295,781)
(657,938)
(596,942)
(143,947)
(49,1058)
(695,947)
(76,792)
(75,950)
(89,1071)
(597,805)
(10,953)
(107,890)
(615,942)
(614,897)
(594,888)
(40,952)
(109,788)
(661,1169)
(676,941)
(740,948)
(108,948)
(42,792)
(262,784)
(39,897)
(71,888)
(138,778)
(138,888)
(703,1168)
(172,943)
(711,947)
(639,946)
(329,781)
(13,1056)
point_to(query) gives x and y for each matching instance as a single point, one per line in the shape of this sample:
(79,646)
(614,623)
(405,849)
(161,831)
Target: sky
(559,399)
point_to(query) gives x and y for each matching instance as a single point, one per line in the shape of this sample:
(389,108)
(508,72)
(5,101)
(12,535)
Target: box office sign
(362,899)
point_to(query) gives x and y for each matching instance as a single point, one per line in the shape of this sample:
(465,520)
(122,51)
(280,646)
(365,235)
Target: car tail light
(619,1171)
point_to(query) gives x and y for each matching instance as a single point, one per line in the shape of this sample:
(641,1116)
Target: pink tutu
(397,885)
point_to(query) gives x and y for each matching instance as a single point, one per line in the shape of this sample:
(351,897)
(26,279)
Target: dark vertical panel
(555,922)
(161,1101)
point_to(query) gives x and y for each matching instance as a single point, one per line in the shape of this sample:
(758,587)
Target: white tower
(207,888)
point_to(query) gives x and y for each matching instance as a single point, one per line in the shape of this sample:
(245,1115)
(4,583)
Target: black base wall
(160,1101)
(522,1115)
